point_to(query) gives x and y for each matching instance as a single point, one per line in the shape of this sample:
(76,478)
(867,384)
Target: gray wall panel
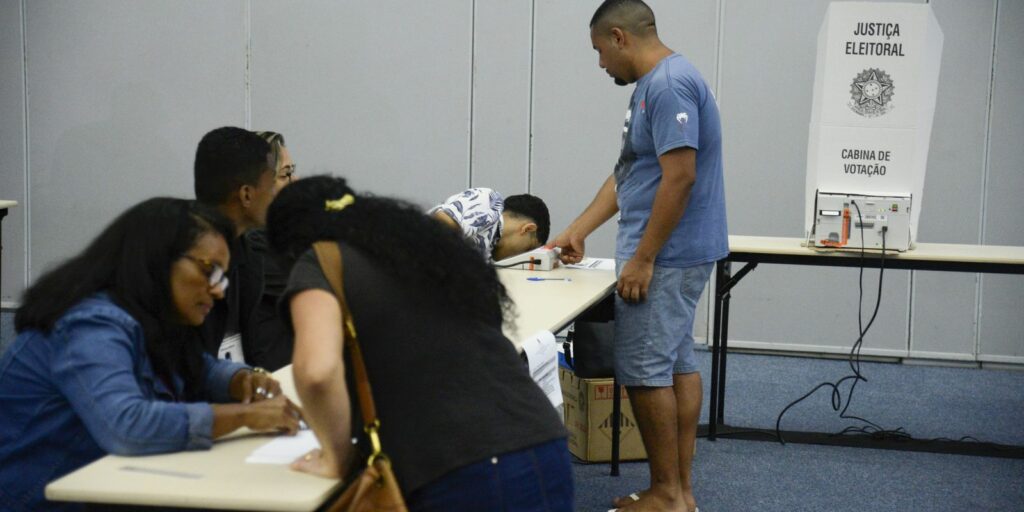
(779,304)
(767,89)
(422,99)
(577,118)
(944,316)
(1002,324)
(120,93)
(691,29)
(945,305)
(501,95)
(386,108)
(1001,329)
(12,149)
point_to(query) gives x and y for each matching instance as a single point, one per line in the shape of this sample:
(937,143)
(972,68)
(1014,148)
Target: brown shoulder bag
(375,488)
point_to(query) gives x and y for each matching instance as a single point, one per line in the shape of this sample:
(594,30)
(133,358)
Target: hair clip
(337,205)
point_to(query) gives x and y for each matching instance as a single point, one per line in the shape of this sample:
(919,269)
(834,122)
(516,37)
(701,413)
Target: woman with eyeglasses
(285,166)
(464,425)
(107,359)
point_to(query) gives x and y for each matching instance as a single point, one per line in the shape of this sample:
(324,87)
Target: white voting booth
(875,85)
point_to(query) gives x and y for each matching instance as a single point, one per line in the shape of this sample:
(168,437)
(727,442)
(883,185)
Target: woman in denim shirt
(107,359)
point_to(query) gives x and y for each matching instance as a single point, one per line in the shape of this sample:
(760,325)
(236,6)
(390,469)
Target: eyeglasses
(217,278)
(286,173)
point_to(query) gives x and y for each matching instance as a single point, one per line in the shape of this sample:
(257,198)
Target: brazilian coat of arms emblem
(871,93)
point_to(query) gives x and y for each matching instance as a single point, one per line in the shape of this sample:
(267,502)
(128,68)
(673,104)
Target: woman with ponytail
(108,360)
(460,418)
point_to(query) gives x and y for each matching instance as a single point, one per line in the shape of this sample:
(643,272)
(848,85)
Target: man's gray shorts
(654,338)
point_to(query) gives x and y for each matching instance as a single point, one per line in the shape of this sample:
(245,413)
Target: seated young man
(498,227)
(236,173)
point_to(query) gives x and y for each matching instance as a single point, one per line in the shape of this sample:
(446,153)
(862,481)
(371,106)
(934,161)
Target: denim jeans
(654,338)
(538,478)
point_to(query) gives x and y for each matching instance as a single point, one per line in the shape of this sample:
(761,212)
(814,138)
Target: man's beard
(620,82)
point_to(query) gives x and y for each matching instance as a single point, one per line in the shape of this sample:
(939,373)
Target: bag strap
(329,256)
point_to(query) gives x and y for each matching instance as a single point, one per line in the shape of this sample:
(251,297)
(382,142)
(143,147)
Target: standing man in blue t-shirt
(668,190)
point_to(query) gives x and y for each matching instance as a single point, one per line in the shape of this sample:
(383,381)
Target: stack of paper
(542,357)
(594,264)
(284,449)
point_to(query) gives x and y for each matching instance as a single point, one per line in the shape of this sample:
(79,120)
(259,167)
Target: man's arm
(476,213)
(678,174)
(571,241)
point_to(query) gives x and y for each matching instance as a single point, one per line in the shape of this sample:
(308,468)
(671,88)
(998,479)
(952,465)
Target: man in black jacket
(234,172)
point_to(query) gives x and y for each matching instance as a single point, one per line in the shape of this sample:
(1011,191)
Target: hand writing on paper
(253,386)
(273,414)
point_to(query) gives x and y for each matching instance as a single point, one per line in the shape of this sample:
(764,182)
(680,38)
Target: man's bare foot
(656,503)
(625,501)
(691,502)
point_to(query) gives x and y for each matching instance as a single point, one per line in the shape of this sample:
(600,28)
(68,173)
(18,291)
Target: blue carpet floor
(736,475)
(928,402)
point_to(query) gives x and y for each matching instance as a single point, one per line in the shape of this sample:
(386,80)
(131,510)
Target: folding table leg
(721,277)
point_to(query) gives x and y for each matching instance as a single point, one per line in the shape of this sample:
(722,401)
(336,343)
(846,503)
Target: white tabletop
(551,304)
(5,204)
(220,477)
(1002,254)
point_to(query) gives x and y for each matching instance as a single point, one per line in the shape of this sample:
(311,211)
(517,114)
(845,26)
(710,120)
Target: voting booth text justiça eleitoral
(875,85)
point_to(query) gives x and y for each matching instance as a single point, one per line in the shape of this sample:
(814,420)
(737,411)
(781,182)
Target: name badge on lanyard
(231,349)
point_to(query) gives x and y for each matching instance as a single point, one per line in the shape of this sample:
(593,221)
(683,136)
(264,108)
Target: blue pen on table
(549,279)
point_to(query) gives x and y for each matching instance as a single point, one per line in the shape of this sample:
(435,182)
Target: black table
(790,251)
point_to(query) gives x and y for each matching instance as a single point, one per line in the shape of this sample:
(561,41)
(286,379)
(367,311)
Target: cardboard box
(588,416)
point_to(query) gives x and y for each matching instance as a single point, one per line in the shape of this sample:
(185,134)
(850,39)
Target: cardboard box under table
(588,416)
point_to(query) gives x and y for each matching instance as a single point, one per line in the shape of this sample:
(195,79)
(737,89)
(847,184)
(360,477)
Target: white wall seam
(472,91)
(248,64)
(27,207)
(985,165)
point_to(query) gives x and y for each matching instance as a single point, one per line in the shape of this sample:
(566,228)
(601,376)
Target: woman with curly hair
(463,423)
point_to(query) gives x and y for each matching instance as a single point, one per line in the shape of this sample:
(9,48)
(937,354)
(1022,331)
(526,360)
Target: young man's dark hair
(533,208)
(235,172)
(226,159)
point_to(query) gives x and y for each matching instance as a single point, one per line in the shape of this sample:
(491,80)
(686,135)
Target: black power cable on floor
(870,428)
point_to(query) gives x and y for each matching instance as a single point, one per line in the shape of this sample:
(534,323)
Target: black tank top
(449,391)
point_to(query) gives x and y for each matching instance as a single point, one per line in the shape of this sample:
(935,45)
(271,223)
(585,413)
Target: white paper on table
(542,357)
(594,264)
(284,449)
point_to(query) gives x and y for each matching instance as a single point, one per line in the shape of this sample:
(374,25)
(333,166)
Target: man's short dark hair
(226,159)
(633,16)
(533,208)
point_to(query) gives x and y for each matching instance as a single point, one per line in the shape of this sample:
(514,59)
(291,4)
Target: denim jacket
(88,389)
